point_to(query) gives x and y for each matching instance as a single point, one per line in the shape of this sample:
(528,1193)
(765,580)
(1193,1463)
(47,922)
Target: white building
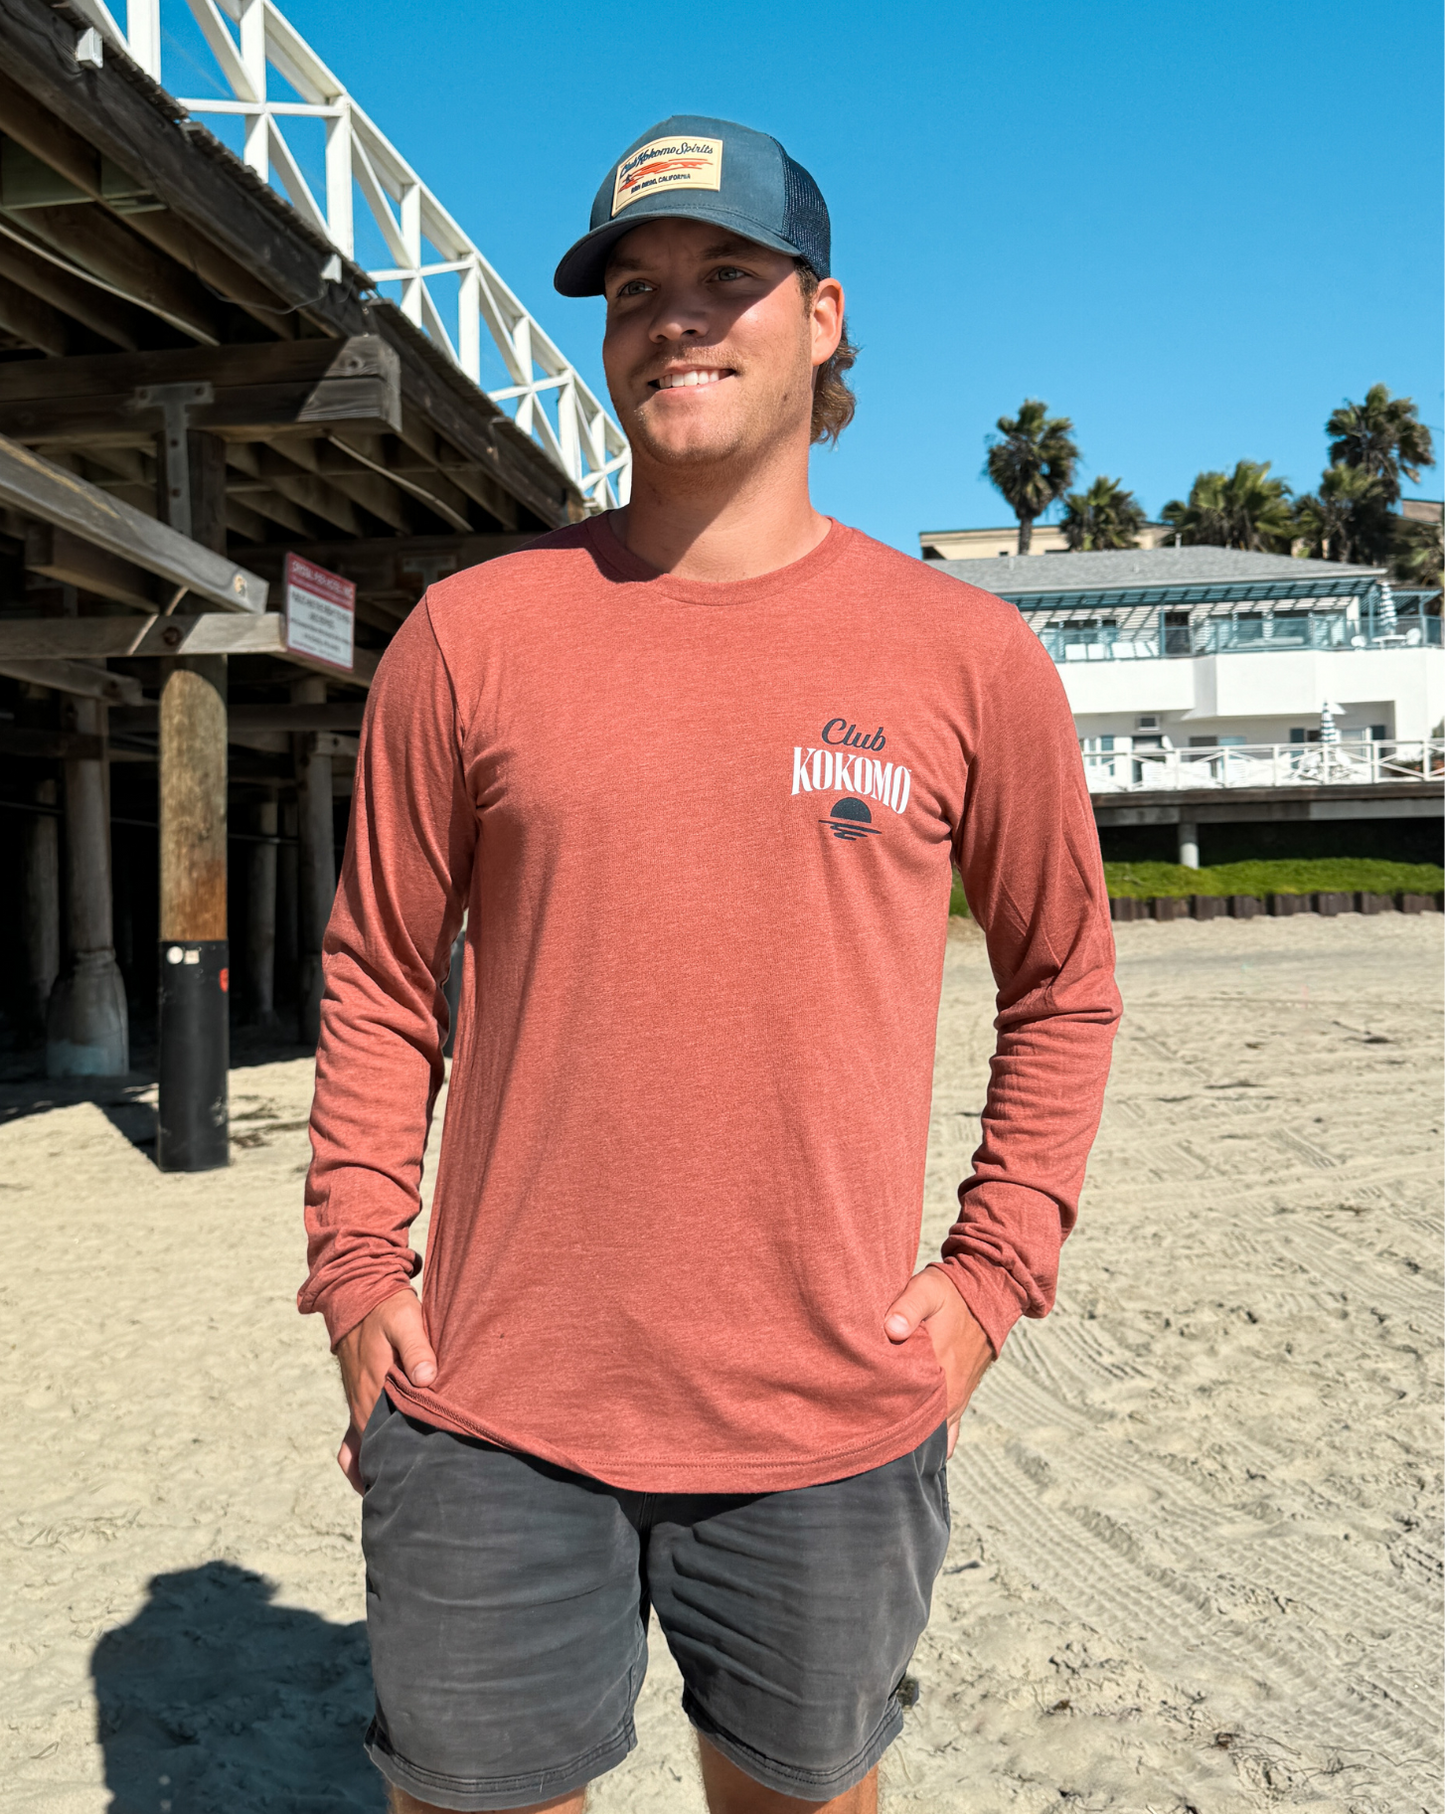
(1210,685)
(1211,646)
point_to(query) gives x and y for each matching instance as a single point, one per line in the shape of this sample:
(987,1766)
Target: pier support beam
(317,838)
(87,1029)
(193,1132)
(288,938)
(261,918)
(1189,843)
(42,907)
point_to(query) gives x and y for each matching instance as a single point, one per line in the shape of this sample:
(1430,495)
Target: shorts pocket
(381,1413)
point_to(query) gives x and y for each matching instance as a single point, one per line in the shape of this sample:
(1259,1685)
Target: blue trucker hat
(692,168)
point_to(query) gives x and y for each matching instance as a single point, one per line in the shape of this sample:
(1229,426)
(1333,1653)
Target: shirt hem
(705,1474)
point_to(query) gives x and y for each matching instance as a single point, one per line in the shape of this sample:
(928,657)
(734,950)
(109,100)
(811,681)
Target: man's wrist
(988,1293)
(344,1313)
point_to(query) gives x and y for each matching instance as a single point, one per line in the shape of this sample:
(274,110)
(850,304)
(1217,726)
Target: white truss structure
(583,439)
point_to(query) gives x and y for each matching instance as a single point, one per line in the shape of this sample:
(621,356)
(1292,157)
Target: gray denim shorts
(507,1605)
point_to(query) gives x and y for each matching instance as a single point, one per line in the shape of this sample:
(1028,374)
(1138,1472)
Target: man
(697,771)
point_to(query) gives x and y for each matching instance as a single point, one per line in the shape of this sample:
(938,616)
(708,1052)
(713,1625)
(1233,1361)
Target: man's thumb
(909,1308)
(413,1349)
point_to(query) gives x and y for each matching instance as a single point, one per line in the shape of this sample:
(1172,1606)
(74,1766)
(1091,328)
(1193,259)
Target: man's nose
(676,319)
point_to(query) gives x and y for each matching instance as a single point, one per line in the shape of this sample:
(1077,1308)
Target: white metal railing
(1263,765)
(551,401)
(1222,635)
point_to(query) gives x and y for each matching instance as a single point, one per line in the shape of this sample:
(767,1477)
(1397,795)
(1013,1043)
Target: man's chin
(693,454)
(717,444)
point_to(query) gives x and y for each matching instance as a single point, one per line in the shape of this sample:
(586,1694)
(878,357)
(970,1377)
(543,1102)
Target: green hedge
(1299,875)
(1323,875)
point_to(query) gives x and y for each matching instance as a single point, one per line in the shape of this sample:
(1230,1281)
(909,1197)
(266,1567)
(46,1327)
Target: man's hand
(394,1333)
(962,1348)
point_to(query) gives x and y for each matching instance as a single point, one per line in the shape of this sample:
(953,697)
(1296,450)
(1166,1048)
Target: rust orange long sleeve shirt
(703,836)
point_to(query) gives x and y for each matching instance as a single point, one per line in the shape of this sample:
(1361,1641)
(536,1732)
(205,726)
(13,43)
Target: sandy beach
(1196,1552)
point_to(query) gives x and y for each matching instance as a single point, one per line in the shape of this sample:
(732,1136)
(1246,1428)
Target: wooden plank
(310,492)
(491,444)
(38,489)
(35,322)
(394,566)
(36,128)
(327,715)
(306,386)
(77,677)
(216,633)
(49,746)
(91,237)
(97,638)
(114,320)
(62,556)
(225,275)
(118,111)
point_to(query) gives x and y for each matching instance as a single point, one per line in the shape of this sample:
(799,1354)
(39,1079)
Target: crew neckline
(612,553)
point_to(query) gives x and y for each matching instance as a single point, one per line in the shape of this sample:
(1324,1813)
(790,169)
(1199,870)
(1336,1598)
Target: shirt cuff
(350,1303)
(993,1297)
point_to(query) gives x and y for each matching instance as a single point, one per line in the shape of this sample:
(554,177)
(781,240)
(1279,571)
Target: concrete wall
(1261,696)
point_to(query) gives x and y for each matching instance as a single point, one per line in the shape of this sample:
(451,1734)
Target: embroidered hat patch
(680,163)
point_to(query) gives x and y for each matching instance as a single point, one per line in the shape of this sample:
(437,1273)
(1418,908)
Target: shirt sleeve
(399,905)
(1028,852)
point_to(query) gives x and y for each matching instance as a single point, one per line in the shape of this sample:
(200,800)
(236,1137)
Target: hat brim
(584,266)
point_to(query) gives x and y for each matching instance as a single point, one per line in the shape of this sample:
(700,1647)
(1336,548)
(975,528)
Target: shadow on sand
(213,1701)
(128,1102)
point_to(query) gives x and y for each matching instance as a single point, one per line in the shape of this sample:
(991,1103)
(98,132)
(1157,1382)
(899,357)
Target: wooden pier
(193,385)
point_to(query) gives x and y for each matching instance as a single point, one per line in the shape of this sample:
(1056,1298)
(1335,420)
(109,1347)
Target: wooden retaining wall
(1274,906)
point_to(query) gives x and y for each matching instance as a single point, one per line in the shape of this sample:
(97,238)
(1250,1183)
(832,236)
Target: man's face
(709,350)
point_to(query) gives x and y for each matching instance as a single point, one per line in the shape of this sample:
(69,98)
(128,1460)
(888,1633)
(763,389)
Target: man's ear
(826,316)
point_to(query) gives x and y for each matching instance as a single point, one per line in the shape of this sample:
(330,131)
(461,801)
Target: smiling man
(697,772)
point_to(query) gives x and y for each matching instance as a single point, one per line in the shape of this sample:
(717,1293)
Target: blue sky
(1194,230)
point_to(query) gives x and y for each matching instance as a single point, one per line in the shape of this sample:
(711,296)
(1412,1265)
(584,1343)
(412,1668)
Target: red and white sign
(320,614)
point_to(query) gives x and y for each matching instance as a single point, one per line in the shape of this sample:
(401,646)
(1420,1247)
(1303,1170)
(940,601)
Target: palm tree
(1385,436)
(1032,462)
(1346,517)
(1417,555)
(1104,516)
(1245,508)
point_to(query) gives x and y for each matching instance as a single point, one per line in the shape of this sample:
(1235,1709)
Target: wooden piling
(317,865)
(193,799)
(193,1121)
(261,917)
(288,946)
(41,905)
(87,1030)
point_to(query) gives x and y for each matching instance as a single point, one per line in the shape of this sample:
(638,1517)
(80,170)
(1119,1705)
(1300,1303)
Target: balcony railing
(1264,765)
(1235,635)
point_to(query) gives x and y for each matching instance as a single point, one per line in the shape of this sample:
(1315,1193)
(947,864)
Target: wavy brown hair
(833,400)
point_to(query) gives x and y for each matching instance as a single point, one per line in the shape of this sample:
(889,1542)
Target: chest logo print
(851,819)
(843,762)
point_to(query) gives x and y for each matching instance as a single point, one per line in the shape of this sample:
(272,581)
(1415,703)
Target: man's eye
(729,273)
(636,286)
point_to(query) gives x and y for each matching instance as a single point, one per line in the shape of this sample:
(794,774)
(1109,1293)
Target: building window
(1176,633)
(1379,733)
(1298,734)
